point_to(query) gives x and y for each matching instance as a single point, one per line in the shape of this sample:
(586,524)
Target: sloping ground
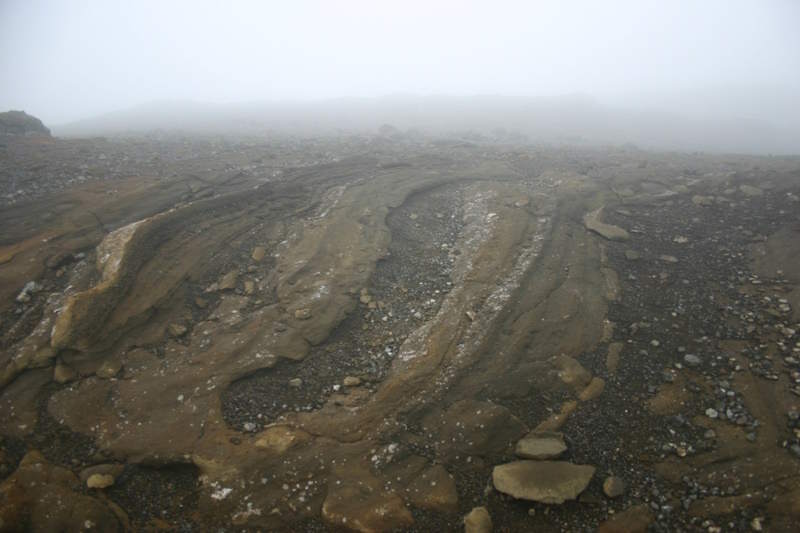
(361,344)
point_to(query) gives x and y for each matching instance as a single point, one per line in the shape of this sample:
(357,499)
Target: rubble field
(396,333)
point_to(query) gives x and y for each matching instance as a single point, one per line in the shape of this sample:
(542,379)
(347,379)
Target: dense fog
(715,75)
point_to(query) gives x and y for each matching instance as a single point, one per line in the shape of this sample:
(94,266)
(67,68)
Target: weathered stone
(702,200)
(613,233)
(613,487)
(473,427)
(572,372)
(634,520)
(177,330)
(63,373)
(434,489)
(542,481)
(593,389)
(302,314)
(228,281)
(691,359)
(613,356)
(749,190)
(280,439)
(249,287)
(351,381)
(109,369)
(358,502)
(541,445)
(556,420)
(478,521)
(100,481)
(258,253)
(45,497)
(632,255)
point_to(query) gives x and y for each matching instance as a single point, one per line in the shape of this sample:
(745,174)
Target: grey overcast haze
(66,61)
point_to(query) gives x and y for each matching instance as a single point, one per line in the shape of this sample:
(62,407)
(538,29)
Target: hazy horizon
(710,64)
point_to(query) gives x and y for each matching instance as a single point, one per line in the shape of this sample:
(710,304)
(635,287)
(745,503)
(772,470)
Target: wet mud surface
(362,334)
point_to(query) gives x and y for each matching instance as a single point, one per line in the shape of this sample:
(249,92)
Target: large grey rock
(542,481)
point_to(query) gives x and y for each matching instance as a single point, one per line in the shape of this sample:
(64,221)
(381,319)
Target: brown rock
(702,200)
(475,428)
(258,253)
(556,420)
(572,372)
(249,287)
(633,520)
(613,487)
(63,373)
(228,281)
(542,481)
(434,489)
(478,521)
(541,445)
(593,389)
(358,502)
(608,231)
(280,439)
(51,499)
(177,330)
(100,481)
(613,356)
(351,381)
(109,368)
(111,469)
(302,314)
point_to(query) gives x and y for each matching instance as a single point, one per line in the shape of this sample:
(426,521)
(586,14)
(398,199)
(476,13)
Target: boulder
(542,481)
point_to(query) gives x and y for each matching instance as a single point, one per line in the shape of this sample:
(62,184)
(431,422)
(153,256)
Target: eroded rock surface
(286,337)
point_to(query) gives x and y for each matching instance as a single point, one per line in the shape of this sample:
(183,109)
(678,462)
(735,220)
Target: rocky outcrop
(40,496)
(19,123)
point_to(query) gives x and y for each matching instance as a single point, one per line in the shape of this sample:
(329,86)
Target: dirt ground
(362,333)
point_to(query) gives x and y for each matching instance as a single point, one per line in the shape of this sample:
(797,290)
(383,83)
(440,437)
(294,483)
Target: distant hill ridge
(571,118)
(20,123)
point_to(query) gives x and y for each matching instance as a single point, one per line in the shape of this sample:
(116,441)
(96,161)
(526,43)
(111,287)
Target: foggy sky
(66,60)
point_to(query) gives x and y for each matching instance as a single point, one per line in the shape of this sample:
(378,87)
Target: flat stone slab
(542,481)
(608,231)
(541,445)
